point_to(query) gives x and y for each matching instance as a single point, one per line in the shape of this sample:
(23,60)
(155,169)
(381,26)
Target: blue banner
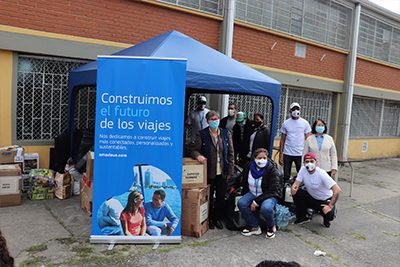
(138,150)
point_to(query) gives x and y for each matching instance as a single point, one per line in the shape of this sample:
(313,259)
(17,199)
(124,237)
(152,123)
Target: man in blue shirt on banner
(156,211)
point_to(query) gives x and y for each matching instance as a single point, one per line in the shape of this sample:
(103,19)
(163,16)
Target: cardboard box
(194,174)
(31,161)
(195,206)
(10,185)
(87,187)
(34,196)
(86,203)
(89,165)
(12,154)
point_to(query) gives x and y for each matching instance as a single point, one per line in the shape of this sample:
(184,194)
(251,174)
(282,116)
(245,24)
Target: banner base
(96,239)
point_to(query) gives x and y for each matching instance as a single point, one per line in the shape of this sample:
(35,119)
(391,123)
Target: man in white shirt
(294,131)
(321,195)
(197,118)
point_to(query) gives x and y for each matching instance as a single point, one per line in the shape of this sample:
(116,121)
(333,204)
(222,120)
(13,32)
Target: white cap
(294,104)
(202,99)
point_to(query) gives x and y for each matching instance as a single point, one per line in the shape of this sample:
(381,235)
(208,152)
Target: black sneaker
(302,220)
(326,223)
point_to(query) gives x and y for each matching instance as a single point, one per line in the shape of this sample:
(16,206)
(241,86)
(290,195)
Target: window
(209,6)
(42,96)
(374,118)
(321,21)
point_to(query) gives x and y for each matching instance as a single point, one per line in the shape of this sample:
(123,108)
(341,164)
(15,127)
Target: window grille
(379,40)
(314,105)
(192,105)
(321,21)
(374,118)
(42,96)
(214,7)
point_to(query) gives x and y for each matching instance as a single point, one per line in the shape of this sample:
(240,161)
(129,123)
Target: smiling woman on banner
(132,218)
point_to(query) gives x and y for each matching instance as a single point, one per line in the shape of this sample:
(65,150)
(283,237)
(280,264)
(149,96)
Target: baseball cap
(202,99)
(309,155)
(240,116)
(294,104)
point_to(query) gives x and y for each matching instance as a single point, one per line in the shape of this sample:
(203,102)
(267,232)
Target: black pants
(287,165)
(303,200)
(218,184)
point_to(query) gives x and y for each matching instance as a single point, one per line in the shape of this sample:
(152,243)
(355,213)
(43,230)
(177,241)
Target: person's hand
(334,172)
(294,189)
(281,160)
(253,207)
(201,159)
(326,208)
(165,226)
(170,231)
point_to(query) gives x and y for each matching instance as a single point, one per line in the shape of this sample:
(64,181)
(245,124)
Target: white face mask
(295,113)
(231,112)
(310,166)
(261,162)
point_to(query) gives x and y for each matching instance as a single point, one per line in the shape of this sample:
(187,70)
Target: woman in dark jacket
(261,185)
(256,136)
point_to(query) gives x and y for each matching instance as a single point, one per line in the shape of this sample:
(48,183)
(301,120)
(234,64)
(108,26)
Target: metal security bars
(214,7)
(42,96)
(374,118)
(321,21)
(379,40)
(314,105)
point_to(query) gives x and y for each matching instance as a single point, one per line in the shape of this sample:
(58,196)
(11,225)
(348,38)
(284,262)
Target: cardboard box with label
(11,154)
(194,174)
(10,185)
(86,202)
(195,206)
(87,187)
(89,165)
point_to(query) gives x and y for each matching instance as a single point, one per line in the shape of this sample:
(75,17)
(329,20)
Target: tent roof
(207,69)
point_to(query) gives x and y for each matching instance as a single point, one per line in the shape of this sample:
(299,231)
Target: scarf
(257,173)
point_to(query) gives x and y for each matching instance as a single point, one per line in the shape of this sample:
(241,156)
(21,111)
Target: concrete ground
(366,232)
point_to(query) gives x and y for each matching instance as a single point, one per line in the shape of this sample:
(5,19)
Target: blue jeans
(267,209)
(157,231)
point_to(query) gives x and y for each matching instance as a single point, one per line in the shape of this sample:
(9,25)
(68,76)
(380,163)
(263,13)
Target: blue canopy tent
(208,71)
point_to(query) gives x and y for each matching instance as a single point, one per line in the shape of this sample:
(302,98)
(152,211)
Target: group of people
(238,140)
(137,219)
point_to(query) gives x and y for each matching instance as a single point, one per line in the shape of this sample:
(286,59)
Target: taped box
(89,165)
(194,174)
(12,154)
(195,206)
(86,203)
(10,185)
(87,187)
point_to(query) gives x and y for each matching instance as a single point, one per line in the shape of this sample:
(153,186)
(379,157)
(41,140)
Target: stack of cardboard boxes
(86,185)
(11,164)
(195,198)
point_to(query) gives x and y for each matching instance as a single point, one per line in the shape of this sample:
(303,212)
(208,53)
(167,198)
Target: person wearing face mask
(214,145)
(294,131)
(229,121)
(261,188)
(197,118)
(258,136)
(239,131)
(321,193)
(323,147)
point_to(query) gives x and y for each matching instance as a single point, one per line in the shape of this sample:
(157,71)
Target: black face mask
(257,123)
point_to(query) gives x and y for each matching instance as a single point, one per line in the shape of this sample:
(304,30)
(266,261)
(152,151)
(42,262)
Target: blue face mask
(241,124)
(214,124)
(320,129)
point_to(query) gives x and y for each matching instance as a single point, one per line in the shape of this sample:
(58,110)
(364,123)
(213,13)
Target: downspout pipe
(351,77)
(229,24)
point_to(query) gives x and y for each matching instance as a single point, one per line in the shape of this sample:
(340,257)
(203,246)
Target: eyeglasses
(295,108)
(309,161)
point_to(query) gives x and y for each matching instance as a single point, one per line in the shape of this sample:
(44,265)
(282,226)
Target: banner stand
(136,240)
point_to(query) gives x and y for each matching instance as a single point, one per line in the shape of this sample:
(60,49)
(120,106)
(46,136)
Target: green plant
(356,236)
(37,248)
(386,233)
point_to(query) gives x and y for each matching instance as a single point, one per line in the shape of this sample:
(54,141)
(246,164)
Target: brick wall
(112,20)
(372,74)
(254,47)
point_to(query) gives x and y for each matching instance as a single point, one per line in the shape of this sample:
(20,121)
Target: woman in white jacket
(323,147)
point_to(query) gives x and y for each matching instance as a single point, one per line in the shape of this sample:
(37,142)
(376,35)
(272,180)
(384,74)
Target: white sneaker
(271,232)
(252,231)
